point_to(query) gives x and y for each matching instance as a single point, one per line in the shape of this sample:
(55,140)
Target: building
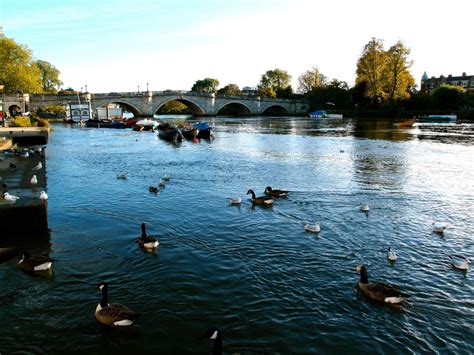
(428,85)
(77,112)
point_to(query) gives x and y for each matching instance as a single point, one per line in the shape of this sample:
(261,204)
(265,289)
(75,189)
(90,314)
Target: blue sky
(118,45)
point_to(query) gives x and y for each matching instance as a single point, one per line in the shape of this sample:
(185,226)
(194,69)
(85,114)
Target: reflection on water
(253,272)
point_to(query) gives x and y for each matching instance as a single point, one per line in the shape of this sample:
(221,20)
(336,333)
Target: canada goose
(146,241)
(234,200)
(122,176)
(378,291)
(313,228)
(275,193)
(391,255)
(43,196)
(113,314)
(11,199)
(153,189)
(439,227)
(28,264)
(262,200)
(364,207)
(458,264)
(34,180)
(214,334)
(12,167)
(38,166)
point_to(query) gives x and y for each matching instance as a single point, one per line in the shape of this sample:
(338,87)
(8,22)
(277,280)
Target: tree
(207,85)
(371,67)
(448,97)
(49,76)
(230,90)
(18,71)
(274,81)
(398,79)
(310,79)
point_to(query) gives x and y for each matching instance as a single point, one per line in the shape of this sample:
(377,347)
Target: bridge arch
(136,112)
(275,110)
(234,108)
(194,107)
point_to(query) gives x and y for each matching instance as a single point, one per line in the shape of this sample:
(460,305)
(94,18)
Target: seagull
(43,196)
(460,265)
(313,228)
(37,167)
(10,198)
(439,227)
(364,207)
(234,200)
(34,180)
(391,255)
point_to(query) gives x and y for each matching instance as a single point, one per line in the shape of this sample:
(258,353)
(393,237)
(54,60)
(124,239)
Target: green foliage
(273,82)
(370,68)
(448,97)
(207,85)
(18,71)
(49,76)
(68,91)
(230,90)
(174,107)
(20,121)
(51,111)
(310,80)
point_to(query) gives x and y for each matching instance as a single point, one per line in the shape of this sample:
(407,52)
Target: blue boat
(205,129)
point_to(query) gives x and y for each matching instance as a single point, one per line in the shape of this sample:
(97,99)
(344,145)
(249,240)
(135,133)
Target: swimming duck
(113,314)
(439,227)
(146,241)
(378,291)
(28,264)
(34,180)
(214,334)
(38,166)
(262,200)
(364,207)
(10,198)
(458,264)
(391,255)
(153,189)
(275,193)
(234,200)
(313,228)
(43,196)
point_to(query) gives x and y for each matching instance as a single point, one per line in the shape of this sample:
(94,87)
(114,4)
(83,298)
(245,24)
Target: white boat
(438,118)
(324,114)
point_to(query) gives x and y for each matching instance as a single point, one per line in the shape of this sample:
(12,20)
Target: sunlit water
(253,272)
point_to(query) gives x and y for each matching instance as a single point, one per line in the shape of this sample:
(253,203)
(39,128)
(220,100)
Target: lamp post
(86,88)
(138,89)
(147,87)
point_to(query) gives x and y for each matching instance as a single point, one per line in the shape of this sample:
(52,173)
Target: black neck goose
(113,314)
(146,241)
(215,335)
(262,200)
(275,193)
(29,264)
(378,291)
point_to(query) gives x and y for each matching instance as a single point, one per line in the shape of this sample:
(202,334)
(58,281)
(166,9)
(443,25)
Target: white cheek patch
(101,287)
(214,336)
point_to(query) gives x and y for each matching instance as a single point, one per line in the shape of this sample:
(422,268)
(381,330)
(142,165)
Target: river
(253,272)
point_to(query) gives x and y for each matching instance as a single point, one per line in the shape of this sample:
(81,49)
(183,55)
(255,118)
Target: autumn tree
(49,76)
(371,68)
(273,82)
(310,79)
(207,85)
(397,77)
(230,90)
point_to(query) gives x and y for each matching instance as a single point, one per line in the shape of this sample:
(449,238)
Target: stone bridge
(148,103)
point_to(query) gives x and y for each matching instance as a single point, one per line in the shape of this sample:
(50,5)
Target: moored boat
(105,124)
(408,123)
(205,129)
(145,125)
(170,132)
(324,114)
(438,118)
(189,132)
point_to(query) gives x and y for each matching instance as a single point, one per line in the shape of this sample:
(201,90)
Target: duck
(364,207)
(234,200)
(122,176)
(378,291)
(113,314)
(153,189)
(43,196)
(12,167)
(313,228)
(37,167)
(214,334)
(275,193)
(262,200)
(439,227)
(34,180)
(167,177)
(162,183)
(28,264)
(458,264)
(146,241)
(391,255)
(10,198)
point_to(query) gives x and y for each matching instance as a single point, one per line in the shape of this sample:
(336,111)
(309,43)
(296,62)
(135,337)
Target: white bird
(439,227)
(167,177)
(43,196)
(458,264)
(234,200)
(34,180)
(391,255)
(37,167)
(341,150)
(161,183)
(10,198)
(313,228)
(364,207)
(25,155)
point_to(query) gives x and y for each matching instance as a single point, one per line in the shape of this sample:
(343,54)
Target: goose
(234,200)
(439,227)
(10,198)
(162,183)
(43,196)
(12,167)
(262,200)
(38,166)
(29,264)
(153,189)
(34,180)
(458,264)
(214,334)
(313,228)
(391,255)
(378,291)
(275,193)
(167,177)
(364,207)
(122,176)
(113,314)
(146,241)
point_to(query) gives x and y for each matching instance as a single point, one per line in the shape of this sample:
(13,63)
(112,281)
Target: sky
(120,45)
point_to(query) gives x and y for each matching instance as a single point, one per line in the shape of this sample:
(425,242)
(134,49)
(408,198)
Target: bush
(43,123)
(20,121)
